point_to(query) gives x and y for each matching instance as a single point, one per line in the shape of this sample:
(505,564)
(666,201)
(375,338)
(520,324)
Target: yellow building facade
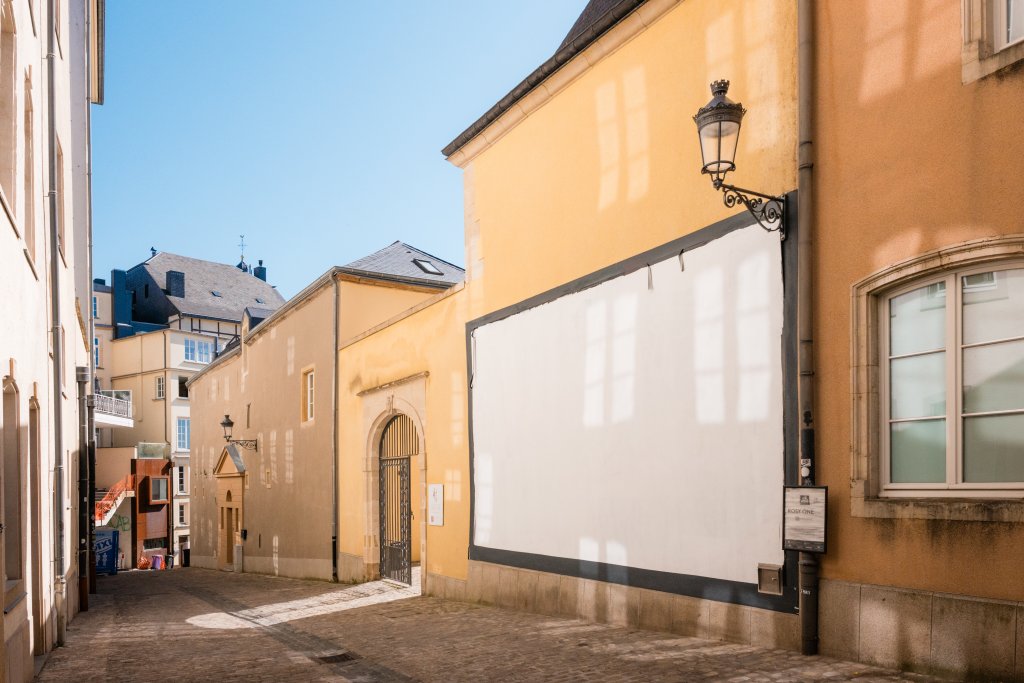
(281,387)
(917,154)
(586,177)
(599,421)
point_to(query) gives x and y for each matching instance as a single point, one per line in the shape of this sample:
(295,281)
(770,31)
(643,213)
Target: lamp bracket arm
(249,444)
(768,210)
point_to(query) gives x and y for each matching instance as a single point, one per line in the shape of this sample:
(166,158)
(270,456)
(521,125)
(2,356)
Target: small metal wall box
(769,579)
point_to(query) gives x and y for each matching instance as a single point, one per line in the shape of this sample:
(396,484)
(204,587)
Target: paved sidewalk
(200,625)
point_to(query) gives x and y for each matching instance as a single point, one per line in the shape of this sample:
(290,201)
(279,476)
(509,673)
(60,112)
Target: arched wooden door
(399,444)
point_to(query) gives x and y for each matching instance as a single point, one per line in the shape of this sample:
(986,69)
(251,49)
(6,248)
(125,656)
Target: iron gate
(398,444)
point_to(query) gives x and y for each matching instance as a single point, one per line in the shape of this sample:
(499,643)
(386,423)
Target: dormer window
(427,267)
(215,293)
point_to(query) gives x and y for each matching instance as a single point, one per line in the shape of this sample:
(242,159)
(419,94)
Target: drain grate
(339,657)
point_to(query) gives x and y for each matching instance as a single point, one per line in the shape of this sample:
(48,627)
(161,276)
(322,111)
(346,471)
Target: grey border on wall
(721,590)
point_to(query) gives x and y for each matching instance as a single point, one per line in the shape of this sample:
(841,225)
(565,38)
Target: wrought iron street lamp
(227,423)
(718,125)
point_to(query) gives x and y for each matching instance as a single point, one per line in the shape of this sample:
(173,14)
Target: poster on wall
(606,408)
(804,518)
(435,505)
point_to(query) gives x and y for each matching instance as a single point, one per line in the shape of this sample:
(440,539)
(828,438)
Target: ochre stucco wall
(610,166)
(288,494)
(288,497)
(908,160)
(135,363)
(364,305)
(433,341)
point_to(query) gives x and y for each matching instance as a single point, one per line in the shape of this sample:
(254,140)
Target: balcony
(113,408)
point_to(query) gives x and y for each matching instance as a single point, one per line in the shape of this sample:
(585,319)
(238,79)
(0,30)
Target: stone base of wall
(937,633)
(202,561)
(352,569)
(18,665)
(291,567)
(567,596)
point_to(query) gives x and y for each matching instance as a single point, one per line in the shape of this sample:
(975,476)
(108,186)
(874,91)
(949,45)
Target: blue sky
(313,127)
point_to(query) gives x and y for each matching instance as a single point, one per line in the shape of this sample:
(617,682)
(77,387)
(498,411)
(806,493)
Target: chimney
(260,272)
(99,281)
(176,283)
(122,300)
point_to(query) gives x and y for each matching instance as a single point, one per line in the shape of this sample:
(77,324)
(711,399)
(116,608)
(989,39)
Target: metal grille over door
(398,444)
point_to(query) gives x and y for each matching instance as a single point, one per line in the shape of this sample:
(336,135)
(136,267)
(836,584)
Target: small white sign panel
(804,518)
(435,504)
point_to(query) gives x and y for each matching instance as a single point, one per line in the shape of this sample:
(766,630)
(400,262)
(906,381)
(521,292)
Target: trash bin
(158,561)
(170,561)
(185,557)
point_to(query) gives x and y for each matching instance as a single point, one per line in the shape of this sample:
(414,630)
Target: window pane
(993,305)
(994,448)
(917,320)
(1014,20)
(918,452)
(918,386)
(994,377)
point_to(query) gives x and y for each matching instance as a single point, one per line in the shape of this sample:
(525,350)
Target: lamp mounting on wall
(718,126)
(227,423)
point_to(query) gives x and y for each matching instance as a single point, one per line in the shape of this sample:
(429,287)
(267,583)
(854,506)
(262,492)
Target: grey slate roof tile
(238,290)
(398,259)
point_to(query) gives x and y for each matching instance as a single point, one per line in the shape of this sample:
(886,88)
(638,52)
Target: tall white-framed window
(161,388)
(190,349)
(308,394)
(952,385)
(182,514)
(95,308)
(203,351)
(184,433)
(96,351)
(182,480)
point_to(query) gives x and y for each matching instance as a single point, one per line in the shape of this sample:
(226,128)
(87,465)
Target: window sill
(979,62)
(950,509)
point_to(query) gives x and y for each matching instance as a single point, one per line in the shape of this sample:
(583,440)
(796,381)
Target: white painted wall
(640,426)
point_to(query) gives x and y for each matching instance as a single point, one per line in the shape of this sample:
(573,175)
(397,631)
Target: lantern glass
(718,125)
(718,140)
(227,423)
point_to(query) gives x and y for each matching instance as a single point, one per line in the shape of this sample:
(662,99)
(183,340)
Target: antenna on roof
(242,245)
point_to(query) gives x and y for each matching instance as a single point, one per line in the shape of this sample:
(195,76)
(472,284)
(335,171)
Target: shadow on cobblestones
(146,626)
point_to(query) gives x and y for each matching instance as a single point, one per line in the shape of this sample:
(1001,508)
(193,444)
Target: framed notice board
(804,518)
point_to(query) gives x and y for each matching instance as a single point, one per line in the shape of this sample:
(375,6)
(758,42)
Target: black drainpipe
(805,313)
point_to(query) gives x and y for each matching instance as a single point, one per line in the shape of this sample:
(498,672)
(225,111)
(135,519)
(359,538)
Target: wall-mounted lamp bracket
(249,444)
(768,210)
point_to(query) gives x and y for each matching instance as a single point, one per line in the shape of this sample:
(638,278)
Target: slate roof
(397,259)
(590,15)
(597,18)
(237,289)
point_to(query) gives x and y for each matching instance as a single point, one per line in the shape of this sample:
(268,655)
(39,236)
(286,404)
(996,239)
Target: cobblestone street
(201,625)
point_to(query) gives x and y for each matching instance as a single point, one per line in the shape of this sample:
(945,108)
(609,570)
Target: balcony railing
(118,403)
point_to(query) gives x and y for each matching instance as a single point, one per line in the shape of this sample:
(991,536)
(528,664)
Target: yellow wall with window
(910,161)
